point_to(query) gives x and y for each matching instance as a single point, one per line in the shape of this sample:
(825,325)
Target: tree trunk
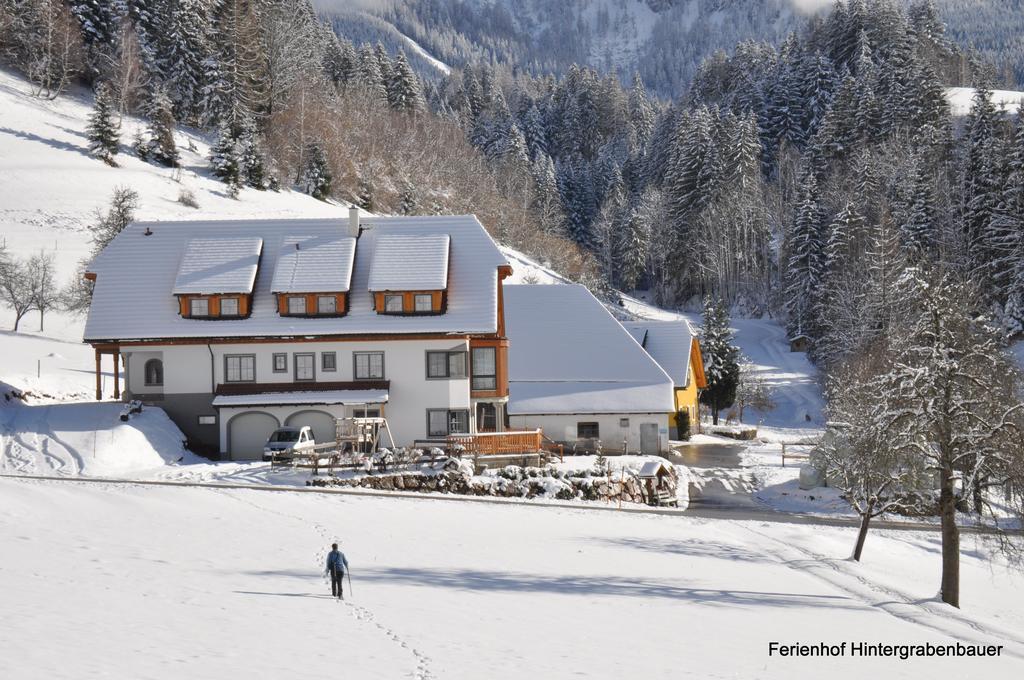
(41,320)
(979,504)
(714,411)
(950,542)
(865,519)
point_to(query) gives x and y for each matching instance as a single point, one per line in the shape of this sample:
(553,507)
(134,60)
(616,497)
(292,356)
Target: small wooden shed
(659,482)
(799,343)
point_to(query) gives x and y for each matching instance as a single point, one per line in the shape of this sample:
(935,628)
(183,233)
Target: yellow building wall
(686,400)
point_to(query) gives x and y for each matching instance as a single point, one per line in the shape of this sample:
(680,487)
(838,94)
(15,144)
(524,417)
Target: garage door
(248,433)
(321,422)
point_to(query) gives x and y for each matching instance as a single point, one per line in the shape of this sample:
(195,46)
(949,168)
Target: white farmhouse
(578,374)
(238,327)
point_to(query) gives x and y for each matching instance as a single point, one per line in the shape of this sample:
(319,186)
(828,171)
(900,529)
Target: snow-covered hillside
(169,583)
(50,188)
(961,98)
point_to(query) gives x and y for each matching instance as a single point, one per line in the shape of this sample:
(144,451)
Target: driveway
(722,485)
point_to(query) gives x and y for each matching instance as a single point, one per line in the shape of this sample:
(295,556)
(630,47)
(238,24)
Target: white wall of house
(187,370)
(563,428)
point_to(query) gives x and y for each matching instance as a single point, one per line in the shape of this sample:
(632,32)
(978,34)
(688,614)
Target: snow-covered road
(158,582)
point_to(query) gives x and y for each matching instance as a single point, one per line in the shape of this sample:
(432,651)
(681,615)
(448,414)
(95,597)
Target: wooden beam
(117,375)
(99,377)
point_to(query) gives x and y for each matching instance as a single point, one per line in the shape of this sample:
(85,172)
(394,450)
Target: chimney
(353,222)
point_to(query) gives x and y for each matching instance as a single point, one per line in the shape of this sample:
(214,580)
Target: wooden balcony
(495,443)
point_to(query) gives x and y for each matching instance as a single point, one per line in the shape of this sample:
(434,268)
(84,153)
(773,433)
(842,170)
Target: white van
(289,440)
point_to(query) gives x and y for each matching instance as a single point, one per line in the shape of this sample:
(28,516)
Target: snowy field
(155,582)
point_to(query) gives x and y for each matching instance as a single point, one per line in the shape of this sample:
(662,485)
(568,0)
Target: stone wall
(510,482)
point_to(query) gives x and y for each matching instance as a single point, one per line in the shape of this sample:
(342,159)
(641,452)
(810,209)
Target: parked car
(289,440)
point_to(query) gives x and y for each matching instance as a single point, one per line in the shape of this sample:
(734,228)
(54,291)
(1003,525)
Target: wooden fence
(493,443)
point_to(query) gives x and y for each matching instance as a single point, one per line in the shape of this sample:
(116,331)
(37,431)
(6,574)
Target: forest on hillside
(784,177)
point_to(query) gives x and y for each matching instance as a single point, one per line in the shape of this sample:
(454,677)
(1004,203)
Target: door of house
(649,439)
(486,417)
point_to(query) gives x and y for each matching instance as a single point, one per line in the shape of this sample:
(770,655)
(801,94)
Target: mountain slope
(665,40)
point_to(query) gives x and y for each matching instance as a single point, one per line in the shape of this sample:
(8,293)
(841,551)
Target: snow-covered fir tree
(721,357)
(103,130)
(315,176)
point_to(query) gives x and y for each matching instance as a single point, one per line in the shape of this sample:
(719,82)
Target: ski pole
(349,574)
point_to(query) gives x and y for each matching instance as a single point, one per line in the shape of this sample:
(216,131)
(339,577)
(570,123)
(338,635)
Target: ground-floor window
(443,422)
(587,430)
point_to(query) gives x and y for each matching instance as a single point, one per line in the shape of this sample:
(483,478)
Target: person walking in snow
(336,566)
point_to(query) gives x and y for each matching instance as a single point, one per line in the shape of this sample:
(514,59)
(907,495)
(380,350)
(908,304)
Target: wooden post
(99,384)
(117,375)
(783,454)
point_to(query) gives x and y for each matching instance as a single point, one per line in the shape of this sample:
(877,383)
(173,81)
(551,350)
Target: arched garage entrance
(248,432)
(321,422)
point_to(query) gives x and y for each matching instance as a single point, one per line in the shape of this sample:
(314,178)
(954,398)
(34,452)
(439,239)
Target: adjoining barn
(675,347)
(578,374)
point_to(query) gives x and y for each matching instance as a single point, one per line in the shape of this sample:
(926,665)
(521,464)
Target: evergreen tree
(98,19)
(315,175)
(920,230)
(160,146)
(403,88)
(103,132)
(641,114)
(804,266)
(225,159)
(408,199)
(534,132)
(721,358)
(633,244)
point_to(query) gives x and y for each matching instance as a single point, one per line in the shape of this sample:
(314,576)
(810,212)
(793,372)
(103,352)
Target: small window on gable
(154,373)
(199,307)
(587,431)
(424,303)
(297,304)
(326,304)
(280,363)
(393,304)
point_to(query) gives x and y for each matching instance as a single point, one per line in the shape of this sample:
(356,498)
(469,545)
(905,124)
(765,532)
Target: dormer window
(409,274)
(216,277)
(199,307)
(229,306)
(326,304)
(312,275)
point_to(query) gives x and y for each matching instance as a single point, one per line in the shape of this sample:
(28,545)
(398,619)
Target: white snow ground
(960,100)
(156,582)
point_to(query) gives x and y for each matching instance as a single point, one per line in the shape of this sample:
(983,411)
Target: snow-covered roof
(407,262)
(653,468)
(314,264)
(296,398)
(668,343)
(568,354)
(132,299)
(218,265)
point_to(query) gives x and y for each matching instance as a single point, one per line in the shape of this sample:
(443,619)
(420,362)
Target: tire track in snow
(359,612)
(939,618)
